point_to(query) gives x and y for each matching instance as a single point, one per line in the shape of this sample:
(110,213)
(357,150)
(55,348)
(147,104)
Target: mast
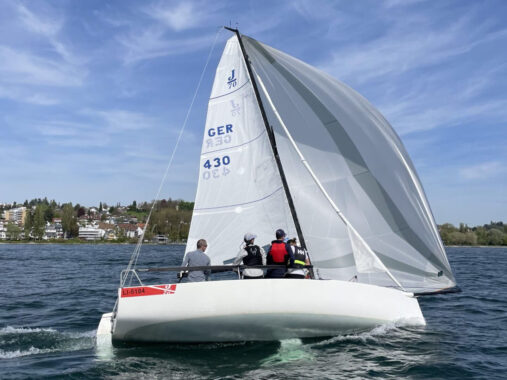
(272,141)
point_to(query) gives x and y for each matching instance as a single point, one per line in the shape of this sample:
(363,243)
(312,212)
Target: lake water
(52,297)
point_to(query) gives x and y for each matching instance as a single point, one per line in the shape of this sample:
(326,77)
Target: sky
(93,93)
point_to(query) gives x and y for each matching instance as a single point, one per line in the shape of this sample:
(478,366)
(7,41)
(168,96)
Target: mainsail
(352,149)
(239,188)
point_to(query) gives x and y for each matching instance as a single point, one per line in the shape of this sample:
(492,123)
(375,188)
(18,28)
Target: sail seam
(235,146)
(240,204)
(232,92)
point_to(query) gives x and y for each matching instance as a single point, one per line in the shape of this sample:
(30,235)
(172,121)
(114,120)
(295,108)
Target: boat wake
(374,335)
(17,342)
(290,350)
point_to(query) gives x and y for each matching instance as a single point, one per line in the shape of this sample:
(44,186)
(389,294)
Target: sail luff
(322,188)
(272,142)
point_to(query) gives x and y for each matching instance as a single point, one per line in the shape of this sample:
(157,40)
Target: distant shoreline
(475,246)
(84,242)
(182,243)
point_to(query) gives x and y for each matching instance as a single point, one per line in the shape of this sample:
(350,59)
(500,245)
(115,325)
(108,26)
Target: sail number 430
(217,161)
(217,167)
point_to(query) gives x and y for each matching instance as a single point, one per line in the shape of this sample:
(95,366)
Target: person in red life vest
(296,269)
(279,253)
(251,254)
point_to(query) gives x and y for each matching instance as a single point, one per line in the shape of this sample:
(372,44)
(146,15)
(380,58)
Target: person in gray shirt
(197,258)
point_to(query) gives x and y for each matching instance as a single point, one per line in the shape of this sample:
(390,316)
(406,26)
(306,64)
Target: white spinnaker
(239,188)
(365,259)
(364,167)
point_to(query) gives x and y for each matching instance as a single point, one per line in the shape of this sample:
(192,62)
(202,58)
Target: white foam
(290,350)
(18,353)
(65,341)
(362,337)
(84,334)
(23,330)
(27,330)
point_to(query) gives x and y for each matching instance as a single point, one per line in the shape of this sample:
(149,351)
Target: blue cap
(280,233)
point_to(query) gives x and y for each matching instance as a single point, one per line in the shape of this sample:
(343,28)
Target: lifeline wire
(137,250)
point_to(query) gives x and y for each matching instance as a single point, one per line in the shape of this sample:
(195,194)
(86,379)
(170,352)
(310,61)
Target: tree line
(172,218)
(494,233)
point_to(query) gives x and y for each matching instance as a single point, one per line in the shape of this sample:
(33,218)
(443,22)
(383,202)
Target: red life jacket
(278,252)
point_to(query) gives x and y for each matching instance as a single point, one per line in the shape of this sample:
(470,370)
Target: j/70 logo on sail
(231,81)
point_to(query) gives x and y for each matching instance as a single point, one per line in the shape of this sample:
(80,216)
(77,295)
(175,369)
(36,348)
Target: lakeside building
(130,230)
(3,231)
(160,239)
(53,231)
(110,230)
(16,215)
(91,233)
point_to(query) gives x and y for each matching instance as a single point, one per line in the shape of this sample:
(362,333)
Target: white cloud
(405,47)
(316,10)
(181,16)
(483,171)
(27,96)
(423,74)
(22,67)
(154,43)
(47,27)
(117,120)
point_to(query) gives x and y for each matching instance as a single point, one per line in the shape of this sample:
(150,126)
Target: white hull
(249,310)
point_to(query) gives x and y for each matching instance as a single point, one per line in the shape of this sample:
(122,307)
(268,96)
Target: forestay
(364,167)
(239,188)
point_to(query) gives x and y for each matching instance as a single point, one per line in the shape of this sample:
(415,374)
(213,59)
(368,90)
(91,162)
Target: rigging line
(137,250)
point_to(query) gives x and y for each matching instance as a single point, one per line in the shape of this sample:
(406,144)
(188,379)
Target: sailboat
(288,146)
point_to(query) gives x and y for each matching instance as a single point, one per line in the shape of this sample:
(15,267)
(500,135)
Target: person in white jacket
(251,254)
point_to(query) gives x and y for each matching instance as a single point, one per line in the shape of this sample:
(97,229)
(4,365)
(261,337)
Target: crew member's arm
(269,258)
(207,272)
(263,254)
(289,257)
(185,260)
(184,264)
(239,257)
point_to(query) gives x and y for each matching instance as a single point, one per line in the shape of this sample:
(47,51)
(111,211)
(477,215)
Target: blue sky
(93,93)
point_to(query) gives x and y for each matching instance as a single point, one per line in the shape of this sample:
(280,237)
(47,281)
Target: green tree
(80,212)
(495,237)
(133,206)
(69,221)
(186,205)
(49,214)
(470,238)
(482,235)
(39,223)
(28,224)
(13,231)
